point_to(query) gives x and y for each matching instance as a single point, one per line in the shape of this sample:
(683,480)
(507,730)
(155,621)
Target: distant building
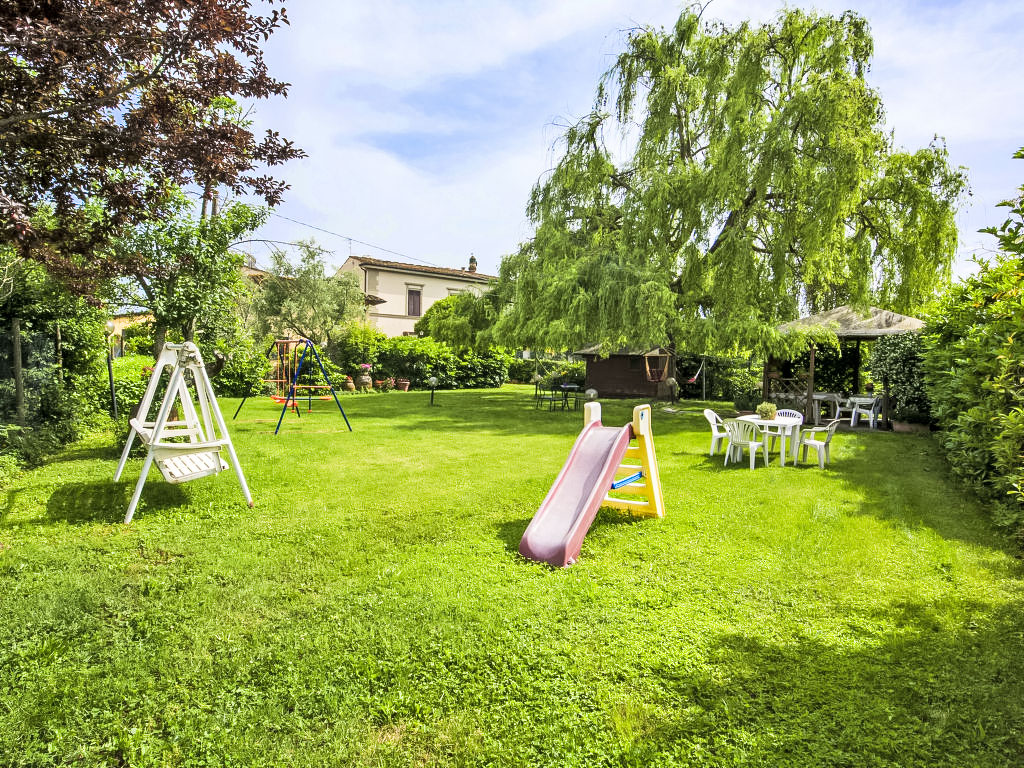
(397,293)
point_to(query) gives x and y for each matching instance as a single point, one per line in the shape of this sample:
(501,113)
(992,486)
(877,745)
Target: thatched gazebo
(848,324)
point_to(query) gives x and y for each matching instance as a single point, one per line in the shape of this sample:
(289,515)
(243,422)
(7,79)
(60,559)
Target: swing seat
(181,462)
(181,469)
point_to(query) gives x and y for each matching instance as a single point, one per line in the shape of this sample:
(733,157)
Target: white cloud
(368,75)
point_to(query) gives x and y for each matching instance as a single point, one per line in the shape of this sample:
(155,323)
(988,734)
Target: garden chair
(743,434)
(718,431)
(776,432)
(819,438)
(870,411)
(551,395)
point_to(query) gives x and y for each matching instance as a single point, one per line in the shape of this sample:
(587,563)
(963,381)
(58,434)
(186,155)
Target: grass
(372,609)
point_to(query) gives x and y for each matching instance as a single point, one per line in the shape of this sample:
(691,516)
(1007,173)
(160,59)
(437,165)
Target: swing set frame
(287,368)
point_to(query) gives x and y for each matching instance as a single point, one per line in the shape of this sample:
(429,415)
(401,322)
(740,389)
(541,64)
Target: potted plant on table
(766,411)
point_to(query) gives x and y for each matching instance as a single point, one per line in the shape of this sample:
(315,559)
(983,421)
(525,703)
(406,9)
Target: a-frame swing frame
(205,430)
(289,398)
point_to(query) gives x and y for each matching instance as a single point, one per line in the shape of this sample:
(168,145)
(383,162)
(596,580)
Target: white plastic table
(790,427)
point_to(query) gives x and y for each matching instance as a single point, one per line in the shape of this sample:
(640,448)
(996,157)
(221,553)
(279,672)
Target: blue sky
(427,123)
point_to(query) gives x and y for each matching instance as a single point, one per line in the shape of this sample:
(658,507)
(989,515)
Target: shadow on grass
(905,481)
(507,411)
(102,452)
(100,501)
(917,688)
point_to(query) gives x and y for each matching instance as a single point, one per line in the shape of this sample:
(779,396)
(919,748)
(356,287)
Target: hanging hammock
(659,370)
(693,379)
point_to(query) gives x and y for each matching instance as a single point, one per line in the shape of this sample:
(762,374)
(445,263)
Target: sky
(427,123)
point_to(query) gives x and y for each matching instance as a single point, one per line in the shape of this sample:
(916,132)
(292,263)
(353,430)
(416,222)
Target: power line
(354,240)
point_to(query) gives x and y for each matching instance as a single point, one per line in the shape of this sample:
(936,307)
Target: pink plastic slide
(555,535)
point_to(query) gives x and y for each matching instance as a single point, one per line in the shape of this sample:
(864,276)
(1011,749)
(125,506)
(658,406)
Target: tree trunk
(159,337)
(19,382)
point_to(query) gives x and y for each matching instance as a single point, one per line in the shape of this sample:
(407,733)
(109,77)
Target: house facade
(397,293)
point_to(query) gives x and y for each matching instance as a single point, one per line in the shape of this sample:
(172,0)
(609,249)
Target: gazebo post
(856,370)
(809,405)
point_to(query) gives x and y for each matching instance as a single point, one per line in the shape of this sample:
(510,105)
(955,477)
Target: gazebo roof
(849,323)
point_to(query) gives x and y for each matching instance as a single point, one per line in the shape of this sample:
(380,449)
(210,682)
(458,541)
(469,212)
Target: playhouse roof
(850,323)
(595,350)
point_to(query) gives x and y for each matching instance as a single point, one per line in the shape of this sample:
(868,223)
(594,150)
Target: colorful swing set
(288,356)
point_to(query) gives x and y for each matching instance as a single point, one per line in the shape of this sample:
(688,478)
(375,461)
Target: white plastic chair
(819,438)
(871,411)
(743,434)
(718,431)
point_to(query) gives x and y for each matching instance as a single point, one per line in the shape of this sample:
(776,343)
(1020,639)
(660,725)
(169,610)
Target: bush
(359,343)
(744,387)
(974,371)
(521,371)
(896,362)
(564,372)
(246,366)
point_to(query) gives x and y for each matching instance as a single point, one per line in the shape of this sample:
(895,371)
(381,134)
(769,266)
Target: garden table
(789,427)
(825,397)
(566,389)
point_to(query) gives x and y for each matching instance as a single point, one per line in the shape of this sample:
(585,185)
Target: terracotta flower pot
(402,384)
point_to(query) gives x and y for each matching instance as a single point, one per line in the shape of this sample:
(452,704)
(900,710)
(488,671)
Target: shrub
(744,387)
(564,372)
(522,371)
(358,343)
(246,366)
(974,371)
(896,362)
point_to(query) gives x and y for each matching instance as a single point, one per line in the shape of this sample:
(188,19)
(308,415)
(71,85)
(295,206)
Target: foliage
(371,608)
(720,375)
(131,374)
(761,180)
(522,370)
(896,362)
(463,320)
(301,299)
(246,366)
(417,359)
(766,410)
(355,344)
(121,100)
(53,376)
(187,275)
(974,369)
(745,387)
(564,372)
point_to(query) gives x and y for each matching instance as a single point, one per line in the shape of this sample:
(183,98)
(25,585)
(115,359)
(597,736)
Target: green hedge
(417,359)
(974,371)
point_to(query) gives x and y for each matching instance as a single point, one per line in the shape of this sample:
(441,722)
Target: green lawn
(372,608)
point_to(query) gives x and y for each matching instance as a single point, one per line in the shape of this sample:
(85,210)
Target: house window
(412,302)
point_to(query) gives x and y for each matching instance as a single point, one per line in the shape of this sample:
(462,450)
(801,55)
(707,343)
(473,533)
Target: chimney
(472,263)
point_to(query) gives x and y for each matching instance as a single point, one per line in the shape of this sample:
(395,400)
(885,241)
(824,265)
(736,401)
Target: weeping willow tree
(726,179)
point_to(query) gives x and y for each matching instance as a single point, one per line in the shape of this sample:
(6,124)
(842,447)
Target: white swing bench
(187,448)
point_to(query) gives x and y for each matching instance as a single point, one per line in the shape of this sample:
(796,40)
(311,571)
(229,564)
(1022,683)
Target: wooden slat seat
(181,469)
